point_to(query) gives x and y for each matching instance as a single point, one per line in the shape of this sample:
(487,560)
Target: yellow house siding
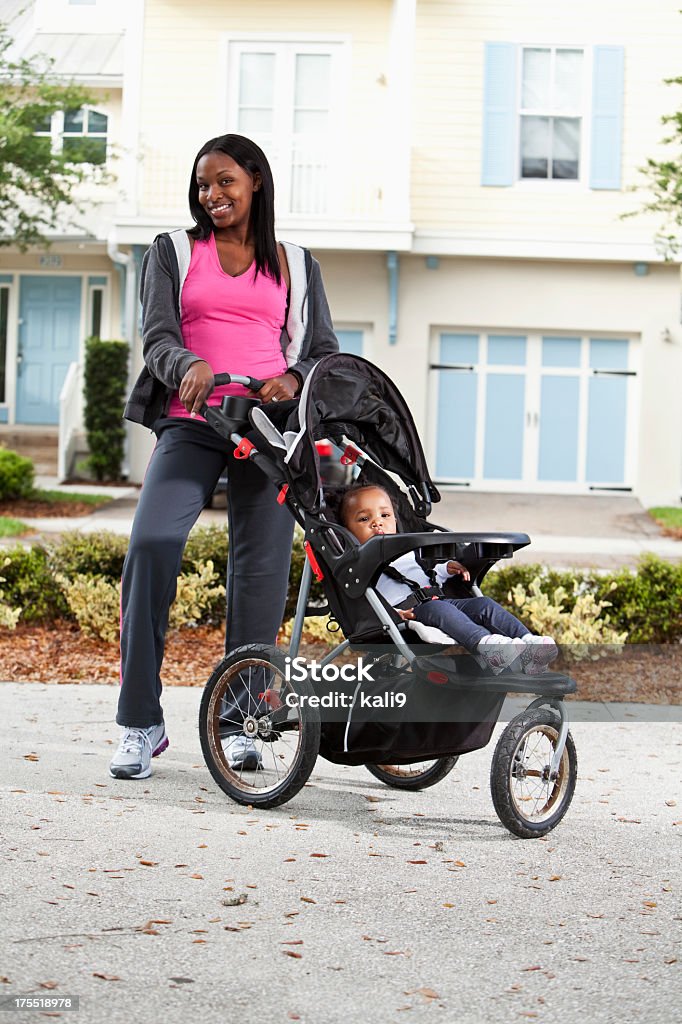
(446,192)
(184,82)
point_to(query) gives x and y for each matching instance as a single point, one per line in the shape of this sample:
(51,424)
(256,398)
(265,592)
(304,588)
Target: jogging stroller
(389,696)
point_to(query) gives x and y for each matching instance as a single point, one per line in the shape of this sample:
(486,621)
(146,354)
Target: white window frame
(280,148)
(585,115)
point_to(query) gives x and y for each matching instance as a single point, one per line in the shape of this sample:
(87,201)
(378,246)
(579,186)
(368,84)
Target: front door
(49,333)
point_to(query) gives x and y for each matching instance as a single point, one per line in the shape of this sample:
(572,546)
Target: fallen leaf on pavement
(105,977)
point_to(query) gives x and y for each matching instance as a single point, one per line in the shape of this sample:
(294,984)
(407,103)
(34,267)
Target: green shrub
(104,388)
(199,598)
(30,585)
(94,602)
(206,543)
(88,554)
(648,602)
(16,476)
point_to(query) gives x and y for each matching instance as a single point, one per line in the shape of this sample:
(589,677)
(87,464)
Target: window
(81,135)
(551,113)
(286,96)
(84,139)
(4,307)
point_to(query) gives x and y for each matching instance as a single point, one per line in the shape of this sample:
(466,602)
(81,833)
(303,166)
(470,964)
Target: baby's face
(369,513)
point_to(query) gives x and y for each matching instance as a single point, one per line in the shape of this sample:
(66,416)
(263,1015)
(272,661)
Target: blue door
(49,329)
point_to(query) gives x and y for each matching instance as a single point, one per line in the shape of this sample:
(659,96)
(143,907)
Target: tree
(37,184)
(664,183)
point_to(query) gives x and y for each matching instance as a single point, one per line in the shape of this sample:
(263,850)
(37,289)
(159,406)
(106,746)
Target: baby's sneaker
(497,652)
(539,652)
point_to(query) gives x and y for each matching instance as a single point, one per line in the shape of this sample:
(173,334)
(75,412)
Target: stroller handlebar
(253,383)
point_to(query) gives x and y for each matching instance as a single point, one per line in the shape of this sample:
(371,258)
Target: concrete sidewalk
(161,900)
(565,530)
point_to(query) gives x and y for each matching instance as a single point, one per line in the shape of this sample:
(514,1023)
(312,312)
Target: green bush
(648,602)
(104,388)
(16,476)
(206,544)
(29,584)
(88,554)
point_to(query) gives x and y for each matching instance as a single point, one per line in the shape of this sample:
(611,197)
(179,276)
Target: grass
(12,527)
(71,496)
(669,518)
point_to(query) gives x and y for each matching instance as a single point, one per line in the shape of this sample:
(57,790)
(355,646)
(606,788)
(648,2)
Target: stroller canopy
(347,396)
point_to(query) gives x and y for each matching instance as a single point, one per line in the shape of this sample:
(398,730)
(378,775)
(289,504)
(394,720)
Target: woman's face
(225,190)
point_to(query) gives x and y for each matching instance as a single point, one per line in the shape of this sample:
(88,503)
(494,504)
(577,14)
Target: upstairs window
(551,112)
(81,135)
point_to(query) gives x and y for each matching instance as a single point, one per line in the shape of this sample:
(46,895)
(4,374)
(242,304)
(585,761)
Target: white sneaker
(242,754)
(540,651)
(133,758)
(499,653)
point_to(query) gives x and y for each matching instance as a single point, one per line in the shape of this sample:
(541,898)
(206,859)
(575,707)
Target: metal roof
(80,55)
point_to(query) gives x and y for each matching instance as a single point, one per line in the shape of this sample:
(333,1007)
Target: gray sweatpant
(182,473)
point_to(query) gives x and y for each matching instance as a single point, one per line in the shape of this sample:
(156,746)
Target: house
(460,169)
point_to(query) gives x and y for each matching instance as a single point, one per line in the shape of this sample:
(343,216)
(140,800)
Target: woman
(223,297)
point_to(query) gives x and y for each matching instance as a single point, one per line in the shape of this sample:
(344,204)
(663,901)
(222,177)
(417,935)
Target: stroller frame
(254,679)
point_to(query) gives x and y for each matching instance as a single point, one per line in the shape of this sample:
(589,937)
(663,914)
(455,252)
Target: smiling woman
(221,297)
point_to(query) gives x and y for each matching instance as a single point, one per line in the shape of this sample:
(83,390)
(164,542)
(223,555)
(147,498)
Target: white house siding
(447,197)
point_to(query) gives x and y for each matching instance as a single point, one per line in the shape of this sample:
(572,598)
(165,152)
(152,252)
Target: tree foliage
(663,181)
(37,185)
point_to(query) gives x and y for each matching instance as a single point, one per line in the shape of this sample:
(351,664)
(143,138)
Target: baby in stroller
(493,635)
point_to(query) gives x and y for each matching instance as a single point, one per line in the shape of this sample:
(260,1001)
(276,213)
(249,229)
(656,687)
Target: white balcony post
(399,129)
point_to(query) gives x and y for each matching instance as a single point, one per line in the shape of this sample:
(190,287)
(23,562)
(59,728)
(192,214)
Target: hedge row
(645,603)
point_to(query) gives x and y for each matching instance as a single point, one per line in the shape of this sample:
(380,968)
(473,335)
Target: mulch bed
(62,654)
(30,508)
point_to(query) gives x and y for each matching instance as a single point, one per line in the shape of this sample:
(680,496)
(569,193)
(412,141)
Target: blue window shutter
(607,116)
(499,114)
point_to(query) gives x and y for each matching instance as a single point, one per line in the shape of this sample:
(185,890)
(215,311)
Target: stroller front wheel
(528,801)
(259,739)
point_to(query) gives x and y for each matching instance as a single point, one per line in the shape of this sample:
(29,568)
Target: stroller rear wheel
(259,740)
(413,776)
(528,801)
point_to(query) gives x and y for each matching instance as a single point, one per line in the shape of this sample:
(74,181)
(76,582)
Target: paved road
(581,926)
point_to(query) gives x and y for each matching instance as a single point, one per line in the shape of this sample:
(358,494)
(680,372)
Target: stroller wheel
(413,776)
(245,707)
(528,802)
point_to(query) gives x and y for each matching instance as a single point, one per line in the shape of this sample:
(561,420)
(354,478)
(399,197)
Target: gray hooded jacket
(307,335)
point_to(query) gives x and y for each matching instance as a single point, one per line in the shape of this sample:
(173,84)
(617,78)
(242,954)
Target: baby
(479,624)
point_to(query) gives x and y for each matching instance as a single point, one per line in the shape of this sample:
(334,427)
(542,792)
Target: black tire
(246,695)
(416,776)
(523,753)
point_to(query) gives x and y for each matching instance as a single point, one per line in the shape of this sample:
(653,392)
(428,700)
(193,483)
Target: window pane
(74,120)
(255,122)
(312,80)
(81,150)
(256,79)
(96,325)
(535,91)
(44,124)
(534,147)
(566,147)
(97,123)
(4,305)
(311,122)
(568,80)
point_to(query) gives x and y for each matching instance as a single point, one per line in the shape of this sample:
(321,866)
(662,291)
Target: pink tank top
(234,323)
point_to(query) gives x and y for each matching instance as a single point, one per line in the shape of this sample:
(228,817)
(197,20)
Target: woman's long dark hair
(251,158)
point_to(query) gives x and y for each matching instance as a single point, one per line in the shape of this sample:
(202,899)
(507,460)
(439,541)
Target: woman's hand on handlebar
(196,386)
(279,389)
